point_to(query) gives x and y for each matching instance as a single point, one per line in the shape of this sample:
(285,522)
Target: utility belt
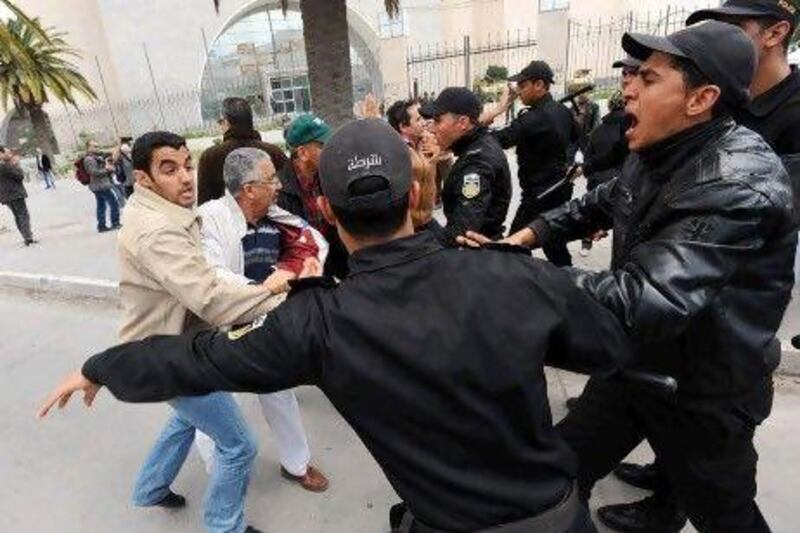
(557,519)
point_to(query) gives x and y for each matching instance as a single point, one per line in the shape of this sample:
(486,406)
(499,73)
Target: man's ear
(143,179)
(702,100)
(327,212)
(776,34)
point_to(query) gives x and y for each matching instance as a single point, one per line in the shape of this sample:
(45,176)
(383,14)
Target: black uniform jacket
(607,148)
(703,254)
(477,192)
(542,135)
(775,115)
(435,358)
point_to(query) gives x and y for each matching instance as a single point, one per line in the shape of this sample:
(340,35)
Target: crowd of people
(328,268)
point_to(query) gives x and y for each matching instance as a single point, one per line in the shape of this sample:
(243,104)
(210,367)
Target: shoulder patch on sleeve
(471,186)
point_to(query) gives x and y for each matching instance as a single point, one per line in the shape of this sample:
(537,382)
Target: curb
(69,286)
(108,291)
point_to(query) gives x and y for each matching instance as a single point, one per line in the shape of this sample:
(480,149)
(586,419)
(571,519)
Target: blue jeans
(47,177)
(218,416)
(106,199)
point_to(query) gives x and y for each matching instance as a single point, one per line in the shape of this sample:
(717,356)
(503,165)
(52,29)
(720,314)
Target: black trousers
(21,218)
(529,210)
(705,451)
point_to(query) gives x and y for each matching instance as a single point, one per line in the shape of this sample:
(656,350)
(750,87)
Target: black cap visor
(640,46)
(722,12)
(627,62)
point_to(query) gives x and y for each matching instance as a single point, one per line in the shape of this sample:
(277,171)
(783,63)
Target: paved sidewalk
(73,472)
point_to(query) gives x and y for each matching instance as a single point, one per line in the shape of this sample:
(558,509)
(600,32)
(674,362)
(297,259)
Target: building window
(553,5)
(290,94)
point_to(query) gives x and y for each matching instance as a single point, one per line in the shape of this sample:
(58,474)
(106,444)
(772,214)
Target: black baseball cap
(627,61)
(361,149)
(723,52)
(456,100)
(536,70)
(780,9)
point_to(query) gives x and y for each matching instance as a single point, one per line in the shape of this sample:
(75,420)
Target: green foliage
(496,73)
(38,67)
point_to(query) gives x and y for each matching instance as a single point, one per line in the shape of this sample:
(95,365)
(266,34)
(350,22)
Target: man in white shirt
(247,239)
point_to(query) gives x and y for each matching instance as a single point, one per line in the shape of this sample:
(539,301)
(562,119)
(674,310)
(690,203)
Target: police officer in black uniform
(542,134)
(434,356)
(705,232)
(774,113)
(477,191)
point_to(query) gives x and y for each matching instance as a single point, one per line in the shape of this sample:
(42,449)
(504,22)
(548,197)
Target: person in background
(238,131)
(301,189)
(123,165)
(541,134)
(477,193)
(13,193)
(101,172)
(45,167)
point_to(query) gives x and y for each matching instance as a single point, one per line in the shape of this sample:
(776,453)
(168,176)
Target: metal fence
(431,68)
(594,46)
(191,112)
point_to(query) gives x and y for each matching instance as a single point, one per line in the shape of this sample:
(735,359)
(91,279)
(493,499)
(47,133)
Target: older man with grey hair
(248,239)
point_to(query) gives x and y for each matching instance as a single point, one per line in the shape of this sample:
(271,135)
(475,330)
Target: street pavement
(74,470)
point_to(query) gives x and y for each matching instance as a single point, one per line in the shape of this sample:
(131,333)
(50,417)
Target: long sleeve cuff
(542,231)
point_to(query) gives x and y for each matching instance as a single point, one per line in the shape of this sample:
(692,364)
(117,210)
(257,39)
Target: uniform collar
(667,155)
(393,253)
(463,144)
(180,215)
(767,103)
(541,101)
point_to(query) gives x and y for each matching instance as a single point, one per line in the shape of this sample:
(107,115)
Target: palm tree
(328,55)
(36,68)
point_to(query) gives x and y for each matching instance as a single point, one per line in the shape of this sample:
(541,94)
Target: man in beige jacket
(166,287)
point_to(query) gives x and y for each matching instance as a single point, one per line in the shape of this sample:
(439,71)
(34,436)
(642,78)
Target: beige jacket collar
(180,215)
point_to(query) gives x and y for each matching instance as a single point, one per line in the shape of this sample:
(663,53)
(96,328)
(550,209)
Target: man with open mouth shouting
(701,275)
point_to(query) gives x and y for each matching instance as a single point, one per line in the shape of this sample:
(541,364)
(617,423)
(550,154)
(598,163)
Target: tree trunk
(42,130)
(325,33)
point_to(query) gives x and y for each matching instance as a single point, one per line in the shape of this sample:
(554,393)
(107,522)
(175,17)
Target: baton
(560,183)
(572,96)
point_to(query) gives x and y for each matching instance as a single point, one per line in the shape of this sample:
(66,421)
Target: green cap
(305,129)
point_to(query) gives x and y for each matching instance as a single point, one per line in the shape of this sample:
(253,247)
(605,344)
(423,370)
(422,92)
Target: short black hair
(143,148)
(238,113)
(398,114)
(694,78)
(372,223)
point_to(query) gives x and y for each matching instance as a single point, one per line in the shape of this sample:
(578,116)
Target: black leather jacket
(702,269)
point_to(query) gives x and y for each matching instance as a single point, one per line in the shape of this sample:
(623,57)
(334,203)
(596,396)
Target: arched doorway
(260,55)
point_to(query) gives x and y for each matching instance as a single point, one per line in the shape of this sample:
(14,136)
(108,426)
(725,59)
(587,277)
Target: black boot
(796,341)
(650,515)
(640,476)
(251,529)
